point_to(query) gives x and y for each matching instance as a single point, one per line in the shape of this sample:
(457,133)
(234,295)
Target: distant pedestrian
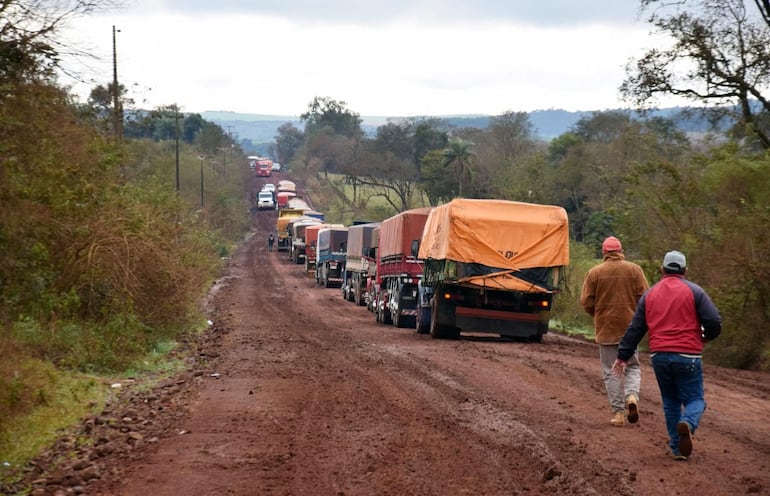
(270,242)
(680,317)
(610,293)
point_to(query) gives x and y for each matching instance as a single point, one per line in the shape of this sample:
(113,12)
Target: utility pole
(177,116)
(117,111)
(202,158)
(228,142)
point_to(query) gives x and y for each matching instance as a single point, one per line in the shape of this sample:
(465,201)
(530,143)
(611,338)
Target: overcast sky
(381,57)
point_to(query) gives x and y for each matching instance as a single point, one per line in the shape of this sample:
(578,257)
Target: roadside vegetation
(105,262)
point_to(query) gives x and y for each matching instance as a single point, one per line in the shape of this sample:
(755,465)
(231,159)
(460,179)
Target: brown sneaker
(619,419)
(685,438)
(632,408)
(679,457)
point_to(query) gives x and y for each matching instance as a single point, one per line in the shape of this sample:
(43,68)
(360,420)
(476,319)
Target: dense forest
(114,220)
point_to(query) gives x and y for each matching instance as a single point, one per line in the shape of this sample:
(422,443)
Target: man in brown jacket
(610,293)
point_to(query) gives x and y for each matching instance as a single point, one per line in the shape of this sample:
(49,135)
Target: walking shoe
(632,408)
(678,456)
(619,419)
(685,438)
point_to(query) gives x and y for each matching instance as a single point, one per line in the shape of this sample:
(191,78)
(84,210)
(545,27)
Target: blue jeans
(680,380)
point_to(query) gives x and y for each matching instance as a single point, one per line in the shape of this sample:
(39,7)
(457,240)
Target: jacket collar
(614,255)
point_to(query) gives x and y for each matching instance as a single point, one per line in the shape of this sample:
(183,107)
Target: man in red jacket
(680,317)
(610,293)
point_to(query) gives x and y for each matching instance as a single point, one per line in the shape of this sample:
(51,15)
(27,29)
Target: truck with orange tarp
(393,295)
(493,266)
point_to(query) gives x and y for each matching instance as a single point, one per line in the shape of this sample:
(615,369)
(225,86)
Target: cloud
(257,62)
(536,12)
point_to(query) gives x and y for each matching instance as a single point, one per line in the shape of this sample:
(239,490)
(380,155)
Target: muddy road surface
(295,391)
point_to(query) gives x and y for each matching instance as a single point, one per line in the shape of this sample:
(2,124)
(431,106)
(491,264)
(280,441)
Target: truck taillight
(453,296)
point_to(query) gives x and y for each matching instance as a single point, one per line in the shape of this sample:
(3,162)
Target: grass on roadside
(39,401)
(44,401)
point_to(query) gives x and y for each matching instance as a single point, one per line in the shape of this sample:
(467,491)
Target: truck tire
(359,297)
(385,317)
(439,330)
(436,331)
(398,319)
(418,324)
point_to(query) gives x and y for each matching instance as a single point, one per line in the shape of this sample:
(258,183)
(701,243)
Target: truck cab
(265,200)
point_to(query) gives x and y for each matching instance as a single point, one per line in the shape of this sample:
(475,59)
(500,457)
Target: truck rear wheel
(359,298)
(437,329)
(385,317)
(398,319)
(418,324)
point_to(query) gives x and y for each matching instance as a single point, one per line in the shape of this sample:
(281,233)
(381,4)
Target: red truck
(264,167)
(394,292)
(358,260)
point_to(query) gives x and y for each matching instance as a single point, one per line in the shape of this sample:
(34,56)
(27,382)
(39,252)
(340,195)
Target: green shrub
(568,314)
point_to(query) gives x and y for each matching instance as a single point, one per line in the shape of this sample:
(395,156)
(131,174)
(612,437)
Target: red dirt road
(295,391)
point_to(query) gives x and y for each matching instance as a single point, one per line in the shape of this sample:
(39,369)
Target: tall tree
(29,46)
(459,155)
(325,112)
(436,183)
(720,55)
(287,142)
(429,134)
(512,134)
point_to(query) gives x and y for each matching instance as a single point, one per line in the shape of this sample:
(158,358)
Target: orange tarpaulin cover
(497,233)
(398,232)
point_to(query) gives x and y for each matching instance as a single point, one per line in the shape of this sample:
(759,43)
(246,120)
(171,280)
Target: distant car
(276,166)
(265,200)
(268,187)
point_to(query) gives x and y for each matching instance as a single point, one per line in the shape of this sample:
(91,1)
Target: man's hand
(619,367)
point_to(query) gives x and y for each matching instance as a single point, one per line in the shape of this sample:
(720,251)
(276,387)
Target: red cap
(611,244)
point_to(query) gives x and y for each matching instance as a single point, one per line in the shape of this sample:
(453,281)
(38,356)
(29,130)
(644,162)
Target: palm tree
(460,155)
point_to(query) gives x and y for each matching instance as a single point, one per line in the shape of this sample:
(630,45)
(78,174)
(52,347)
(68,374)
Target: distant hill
(256,132)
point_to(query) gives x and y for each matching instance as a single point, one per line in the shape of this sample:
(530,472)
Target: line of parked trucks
(473,266)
